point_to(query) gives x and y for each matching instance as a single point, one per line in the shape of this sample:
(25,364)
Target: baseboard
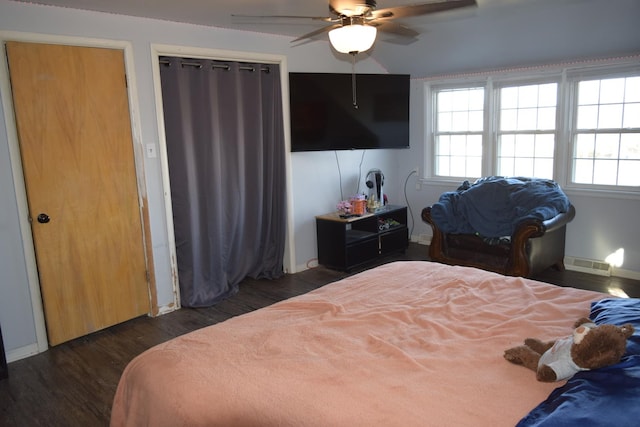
(22,352)
(422,239)
(165,309)
(312,263)
(626,274)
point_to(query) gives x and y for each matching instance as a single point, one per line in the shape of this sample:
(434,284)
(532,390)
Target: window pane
(543,168)
(585,146)
(528,96)
(444,122)
(460,100)
(610,116)
(443,146)
(612,91)
(607,146)
(445,101)
(474,167)
(589,92)
(546,118)
(505,167)
(460,121)
(508,120)
(476,121)
(545,146)
(628,174)
(605,172)
(583,171)
(474,146)
(507,146)
(547,95)
(442,166)
(527,118)
(630,147)
(509,97)
(631,116)
(458,164)
(476,99)
(524,145)
(458,144)
(587,117)
(524,167)
(632,90)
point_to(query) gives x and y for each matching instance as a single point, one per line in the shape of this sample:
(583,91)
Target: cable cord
(360,171)
(353,81)
(406,199)
(339,174)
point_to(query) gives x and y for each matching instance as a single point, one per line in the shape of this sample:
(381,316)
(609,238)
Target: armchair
(533,246)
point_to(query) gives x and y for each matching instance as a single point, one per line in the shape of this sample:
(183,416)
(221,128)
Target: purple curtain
(225,147)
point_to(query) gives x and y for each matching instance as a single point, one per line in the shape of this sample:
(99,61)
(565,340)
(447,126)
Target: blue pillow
(608,396)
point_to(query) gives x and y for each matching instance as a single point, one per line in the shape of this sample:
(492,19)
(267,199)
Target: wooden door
(74,130)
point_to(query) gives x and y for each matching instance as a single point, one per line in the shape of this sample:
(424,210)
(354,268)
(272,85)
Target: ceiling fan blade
(395,28)
(316,32)
(420,9)
(313,18)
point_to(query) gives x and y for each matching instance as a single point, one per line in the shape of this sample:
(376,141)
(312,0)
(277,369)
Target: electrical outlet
(151,151)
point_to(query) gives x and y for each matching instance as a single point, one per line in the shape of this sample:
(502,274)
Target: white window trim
(564,75)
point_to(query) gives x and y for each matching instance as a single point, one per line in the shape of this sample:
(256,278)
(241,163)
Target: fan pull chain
(353,80)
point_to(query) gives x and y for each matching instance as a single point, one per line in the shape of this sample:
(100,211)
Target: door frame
(158,50)
(18,175)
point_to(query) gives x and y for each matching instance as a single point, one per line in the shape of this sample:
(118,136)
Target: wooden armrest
(426,215)
(437,240)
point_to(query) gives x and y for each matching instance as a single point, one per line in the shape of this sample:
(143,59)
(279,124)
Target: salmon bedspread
(410,343)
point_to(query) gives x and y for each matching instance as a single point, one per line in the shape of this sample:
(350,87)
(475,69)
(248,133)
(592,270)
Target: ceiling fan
(354,23)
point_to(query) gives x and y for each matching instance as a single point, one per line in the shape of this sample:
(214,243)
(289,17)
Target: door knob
(43,218)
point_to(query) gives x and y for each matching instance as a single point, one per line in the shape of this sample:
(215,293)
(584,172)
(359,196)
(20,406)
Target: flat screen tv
(323,115)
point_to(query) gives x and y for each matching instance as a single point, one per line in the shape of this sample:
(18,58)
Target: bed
(410,343)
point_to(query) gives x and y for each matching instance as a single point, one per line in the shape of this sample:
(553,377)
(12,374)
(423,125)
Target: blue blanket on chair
(493,206)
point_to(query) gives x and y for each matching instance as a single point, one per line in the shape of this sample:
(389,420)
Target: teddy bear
(590,346)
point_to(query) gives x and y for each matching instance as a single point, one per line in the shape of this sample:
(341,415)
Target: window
(526,130)
(459,132)
(579,126)
(607,132)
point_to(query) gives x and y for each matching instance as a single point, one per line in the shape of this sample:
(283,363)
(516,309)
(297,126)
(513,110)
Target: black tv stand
(346,243)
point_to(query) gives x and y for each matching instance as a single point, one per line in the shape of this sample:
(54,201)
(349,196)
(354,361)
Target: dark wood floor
(73,384)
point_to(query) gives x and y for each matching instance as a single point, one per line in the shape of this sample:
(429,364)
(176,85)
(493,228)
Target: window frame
(567,78)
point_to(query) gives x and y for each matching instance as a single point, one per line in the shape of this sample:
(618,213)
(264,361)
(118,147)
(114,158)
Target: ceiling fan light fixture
(353,38)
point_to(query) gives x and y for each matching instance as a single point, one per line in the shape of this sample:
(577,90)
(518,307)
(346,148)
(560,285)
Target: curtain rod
(225,67)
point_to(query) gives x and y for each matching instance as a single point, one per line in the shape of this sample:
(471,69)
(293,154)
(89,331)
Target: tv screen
(323,115)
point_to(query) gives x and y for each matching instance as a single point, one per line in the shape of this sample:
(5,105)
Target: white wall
(315,183)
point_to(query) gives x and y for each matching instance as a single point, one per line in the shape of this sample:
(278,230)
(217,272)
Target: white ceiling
(217,13)
(495,34)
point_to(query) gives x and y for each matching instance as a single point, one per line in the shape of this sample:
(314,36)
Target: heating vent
(588,266)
